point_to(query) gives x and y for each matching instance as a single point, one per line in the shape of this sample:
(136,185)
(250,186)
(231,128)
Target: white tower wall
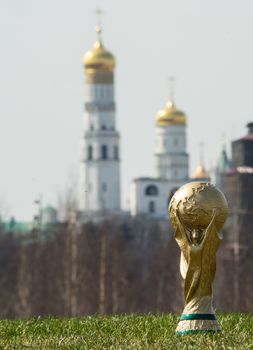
(100,176)
(170,152)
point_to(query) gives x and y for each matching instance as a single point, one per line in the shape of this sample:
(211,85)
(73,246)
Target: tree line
(120,265)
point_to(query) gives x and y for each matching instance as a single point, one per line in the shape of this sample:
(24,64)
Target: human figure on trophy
(198,259)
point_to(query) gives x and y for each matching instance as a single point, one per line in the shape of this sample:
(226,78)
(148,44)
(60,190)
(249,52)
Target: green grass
(133,332)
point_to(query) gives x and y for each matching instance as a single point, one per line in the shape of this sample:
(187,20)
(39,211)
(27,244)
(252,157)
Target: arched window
(151,190)
(116,152)
(104,152)
(90,152)
(151,207)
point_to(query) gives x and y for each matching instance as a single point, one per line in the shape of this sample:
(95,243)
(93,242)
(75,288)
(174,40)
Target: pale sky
(206,45)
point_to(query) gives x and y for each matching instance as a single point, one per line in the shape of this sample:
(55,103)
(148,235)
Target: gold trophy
(198,211)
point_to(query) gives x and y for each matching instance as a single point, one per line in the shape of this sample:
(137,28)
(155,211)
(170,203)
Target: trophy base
(198,323)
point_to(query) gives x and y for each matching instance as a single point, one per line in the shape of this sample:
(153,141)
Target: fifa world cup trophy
(198,211)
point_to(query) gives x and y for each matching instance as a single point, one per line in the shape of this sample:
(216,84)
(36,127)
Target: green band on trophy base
(197,317)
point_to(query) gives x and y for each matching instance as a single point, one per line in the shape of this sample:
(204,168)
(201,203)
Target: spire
(98,27)
(223,141)
(201,153)
(171,98)
(172,86)
(223,163)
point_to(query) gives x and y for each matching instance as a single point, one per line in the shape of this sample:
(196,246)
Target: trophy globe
(195,202)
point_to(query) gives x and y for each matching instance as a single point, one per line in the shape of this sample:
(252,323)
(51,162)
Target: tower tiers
(170,145)
(100,160)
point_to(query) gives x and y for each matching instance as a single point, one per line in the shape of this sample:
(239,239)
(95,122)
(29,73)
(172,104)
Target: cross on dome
(172,86)
(98,27)
(99,58)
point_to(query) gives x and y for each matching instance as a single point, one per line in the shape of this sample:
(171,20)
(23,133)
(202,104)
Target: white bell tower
(100,160)
(170,144)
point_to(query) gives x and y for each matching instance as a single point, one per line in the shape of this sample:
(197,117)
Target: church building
(151,195)
(100,141)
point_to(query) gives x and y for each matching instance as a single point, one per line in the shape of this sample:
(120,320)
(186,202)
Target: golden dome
(170,115)
(98,58)
(200,173)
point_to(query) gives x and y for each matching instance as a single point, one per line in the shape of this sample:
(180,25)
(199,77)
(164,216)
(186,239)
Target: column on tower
(171,158)
(100,163)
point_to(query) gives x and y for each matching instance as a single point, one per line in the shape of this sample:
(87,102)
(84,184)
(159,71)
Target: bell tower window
(104,152)
(90,152)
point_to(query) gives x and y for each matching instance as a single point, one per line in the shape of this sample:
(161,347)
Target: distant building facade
(46,219)
(49,215)
(237,185)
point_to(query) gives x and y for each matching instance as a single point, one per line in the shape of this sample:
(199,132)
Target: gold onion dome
(98,58)
(170,115)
